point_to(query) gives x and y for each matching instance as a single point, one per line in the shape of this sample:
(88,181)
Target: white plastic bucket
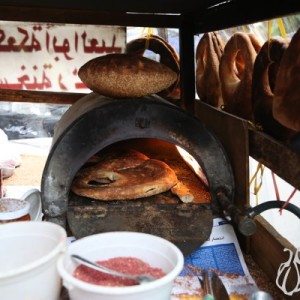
(28,257)
(156,251)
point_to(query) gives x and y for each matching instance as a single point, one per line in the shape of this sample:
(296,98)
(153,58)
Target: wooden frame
(191,17)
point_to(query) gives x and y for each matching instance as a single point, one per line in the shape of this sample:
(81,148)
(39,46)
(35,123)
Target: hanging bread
(236,69)
(263,83)
(286,104)
(167,56)
(126,75)
(208,54)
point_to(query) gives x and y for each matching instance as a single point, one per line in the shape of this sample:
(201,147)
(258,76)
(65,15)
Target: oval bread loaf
(126,75)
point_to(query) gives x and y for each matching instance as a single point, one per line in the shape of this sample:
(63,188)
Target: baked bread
(286,103)
(263,83)
(208,54)
(126,75)
(167,56)
(236,69)
(124,175)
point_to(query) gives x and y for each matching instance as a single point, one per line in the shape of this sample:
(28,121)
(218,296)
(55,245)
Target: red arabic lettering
(60,83)
(64,48)
(80,85)
(93,48)
(29,45)
(47,41)
(24,82)
(5,85)
(76,41)
(11,41)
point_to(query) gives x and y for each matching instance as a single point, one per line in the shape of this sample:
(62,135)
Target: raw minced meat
(126,265)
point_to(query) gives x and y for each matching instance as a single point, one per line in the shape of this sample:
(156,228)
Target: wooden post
(1,184)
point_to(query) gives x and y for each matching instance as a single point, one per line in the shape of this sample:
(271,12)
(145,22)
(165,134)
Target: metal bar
(85,16)
(187,65)
(278,157)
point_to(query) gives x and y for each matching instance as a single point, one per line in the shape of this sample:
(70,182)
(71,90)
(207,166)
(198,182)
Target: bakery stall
(230,138)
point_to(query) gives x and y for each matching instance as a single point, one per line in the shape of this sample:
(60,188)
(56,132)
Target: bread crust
(263,84)
(124,176)
(208,55)
(236,69)
(126,76)
(286,104)
(168,57)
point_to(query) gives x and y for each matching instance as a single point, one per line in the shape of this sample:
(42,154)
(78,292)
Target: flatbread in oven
(125,176)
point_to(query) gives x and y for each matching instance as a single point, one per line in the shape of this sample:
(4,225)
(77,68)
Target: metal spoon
(143,278)
(260,295)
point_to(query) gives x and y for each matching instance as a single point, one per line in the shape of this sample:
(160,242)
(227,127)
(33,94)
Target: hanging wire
(281,27)
(257,178)
(149,31)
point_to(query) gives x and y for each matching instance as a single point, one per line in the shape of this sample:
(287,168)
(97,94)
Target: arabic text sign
(48,56)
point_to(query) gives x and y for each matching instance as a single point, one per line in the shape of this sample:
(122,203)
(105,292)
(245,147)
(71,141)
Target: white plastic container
(28,257)
(13,210)
(33,196)
(156,251)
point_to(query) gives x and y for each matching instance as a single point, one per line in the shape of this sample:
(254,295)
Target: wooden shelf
(278,157)
(275,155)
(191,18)
(39,97)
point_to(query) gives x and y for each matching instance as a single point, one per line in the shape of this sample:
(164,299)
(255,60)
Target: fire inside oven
(96,127)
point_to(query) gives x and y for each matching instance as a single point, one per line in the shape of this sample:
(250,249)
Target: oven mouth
(95,123)
(125,161)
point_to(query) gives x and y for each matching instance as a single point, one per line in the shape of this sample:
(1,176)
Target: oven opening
(128,171)
(108,199)
(181,213)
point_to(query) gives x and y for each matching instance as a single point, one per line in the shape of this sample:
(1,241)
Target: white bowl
(33,196)
(28,258)
(156,251)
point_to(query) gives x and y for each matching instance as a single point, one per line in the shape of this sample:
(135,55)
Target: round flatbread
(130,175)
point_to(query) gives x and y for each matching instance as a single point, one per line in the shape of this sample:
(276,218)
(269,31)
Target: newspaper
(221,253)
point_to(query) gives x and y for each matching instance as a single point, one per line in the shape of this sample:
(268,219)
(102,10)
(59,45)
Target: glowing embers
(192,163)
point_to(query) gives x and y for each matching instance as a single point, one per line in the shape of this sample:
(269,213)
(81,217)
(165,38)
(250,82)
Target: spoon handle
(100,268)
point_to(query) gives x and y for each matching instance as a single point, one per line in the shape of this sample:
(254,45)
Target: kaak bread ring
(208,54)
(236,68)
(168,57)
(263,83)
(286,103)
(124,176)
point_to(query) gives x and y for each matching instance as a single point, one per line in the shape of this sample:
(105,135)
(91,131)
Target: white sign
(47,57)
